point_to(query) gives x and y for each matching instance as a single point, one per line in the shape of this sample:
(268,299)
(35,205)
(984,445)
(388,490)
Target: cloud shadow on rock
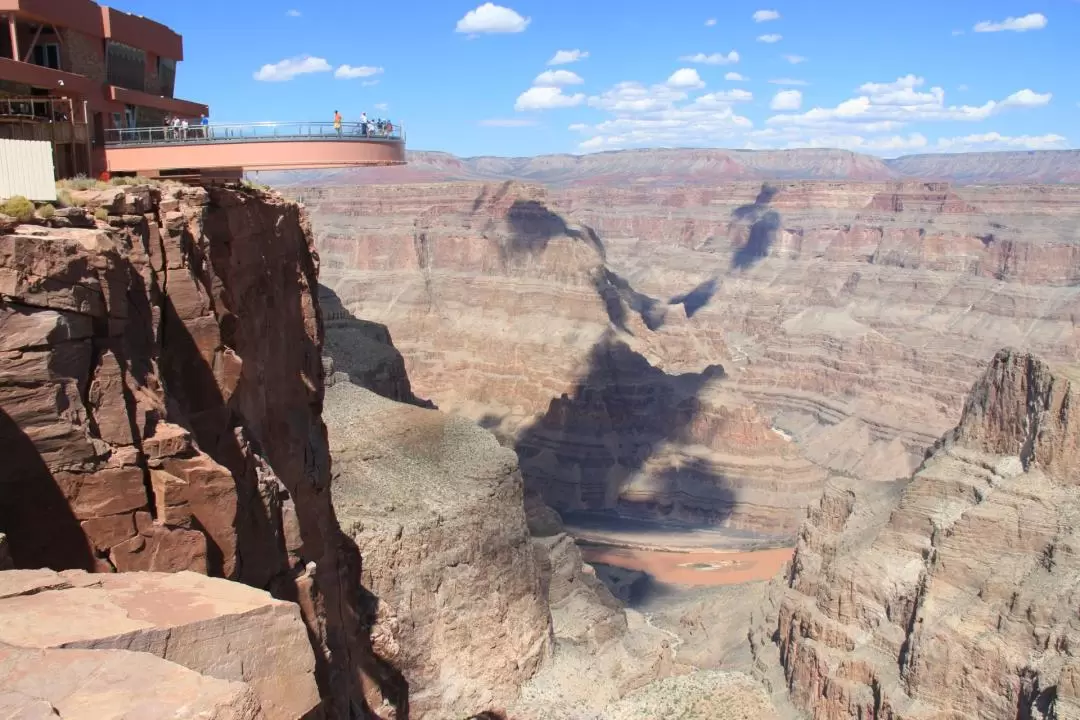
(533,225)
(618,296)
(697,298)
(579,454)
(764,223)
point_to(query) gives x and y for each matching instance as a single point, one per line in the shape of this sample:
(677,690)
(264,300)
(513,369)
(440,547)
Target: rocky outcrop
(215,628)
(436,507)
(160,398)
(951,594)
(96,684)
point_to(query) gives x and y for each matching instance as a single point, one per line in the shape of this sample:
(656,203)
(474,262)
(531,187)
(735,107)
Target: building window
(47,55)
(166,71)
(125,66)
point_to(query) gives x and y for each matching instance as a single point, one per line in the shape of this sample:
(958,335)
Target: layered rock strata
(952,594)
(851,317)
(212,627)
(512,315)
(160,392)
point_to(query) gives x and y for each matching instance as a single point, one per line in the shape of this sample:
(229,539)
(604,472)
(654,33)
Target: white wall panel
(26,168)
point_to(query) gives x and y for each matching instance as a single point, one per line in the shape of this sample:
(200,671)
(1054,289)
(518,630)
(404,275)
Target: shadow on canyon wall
(272,415)
(764,224)
(533,225)
(41,528)
(621,413)
(697,298)
(365,352)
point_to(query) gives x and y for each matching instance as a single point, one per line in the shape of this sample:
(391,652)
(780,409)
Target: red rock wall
(160,400)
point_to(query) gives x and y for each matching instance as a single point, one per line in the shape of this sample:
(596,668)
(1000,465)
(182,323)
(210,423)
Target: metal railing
(254,132)
(38,109)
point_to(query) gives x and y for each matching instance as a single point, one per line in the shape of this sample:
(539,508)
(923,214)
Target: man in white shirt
(363,124)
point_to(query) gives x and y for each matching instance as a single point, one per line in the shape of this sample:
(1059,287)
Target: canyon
(567,447)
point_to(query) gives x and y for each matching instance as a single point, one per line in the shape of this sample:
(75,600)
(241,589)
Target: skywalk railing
(253,132)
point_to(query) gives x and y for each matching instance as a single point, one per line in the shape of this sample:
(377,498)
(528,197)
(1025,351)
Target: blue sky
(885,78)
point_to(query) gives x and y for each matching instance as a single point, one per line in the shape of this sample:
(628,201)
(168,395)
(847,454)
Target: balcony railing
(252,132)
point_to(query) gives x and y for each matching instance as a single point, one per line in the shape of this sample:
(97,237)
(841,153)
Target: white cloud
(547,98)
(565,57)
(508,122)
(736,77)
(557,78)
(382,106)
(368,83)
(713,59)
(349,72)
(685,78)
(578,127)
(766,15)
(962,88)
(884,107)
(993,140)
(793,138)
(293,13)
(1033,21)
(721,100)
(492,18)
(710,22)
(291,67)
(770,38)
(789,81)
(786,100)
(633,97)
(795,59)
(1027,98)
(957,32)
(661,115)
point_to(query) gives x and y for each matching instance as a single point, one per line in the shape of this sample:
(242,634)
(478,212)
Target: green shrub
(123,180)
(46,211)
(18,207)
(65,198)
(101,214)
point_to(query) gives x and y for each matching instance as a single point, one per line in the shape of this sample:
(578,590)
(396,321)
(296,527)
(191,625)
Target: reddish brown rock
(160,398)
(217,628)
(97,684)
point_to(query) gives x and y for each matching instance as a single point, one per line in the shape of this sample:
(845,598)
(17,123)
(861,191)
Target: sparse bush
(124,180)
(18,207)
(252,185)
(65,198)
(81,182)
(46,211)
(101,214)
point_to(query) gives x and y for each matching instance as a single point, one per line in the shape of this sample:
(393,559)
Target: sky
(528,77)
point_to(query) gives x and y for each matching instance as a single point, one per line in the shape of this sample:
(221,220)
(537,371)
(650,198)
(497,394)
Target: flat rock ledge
(150,645)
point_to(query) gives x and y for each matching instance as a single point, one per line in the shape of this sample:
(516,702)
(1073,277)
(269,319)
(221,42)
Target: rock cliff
(952,594)
(160,398)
